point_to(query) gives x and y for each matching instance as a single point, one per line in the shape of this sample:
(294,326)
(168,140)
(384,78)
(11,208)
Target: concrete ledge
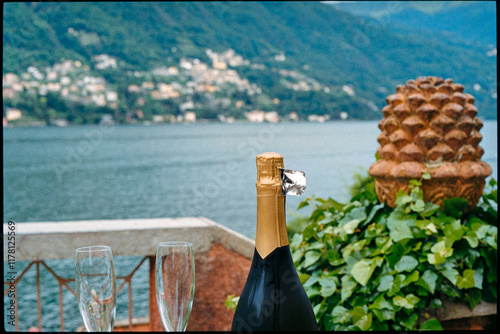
(132,237)
(456,310)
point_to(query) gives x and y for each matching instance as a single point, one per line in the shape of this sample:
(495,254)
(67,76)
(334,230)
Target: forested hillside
(306,57)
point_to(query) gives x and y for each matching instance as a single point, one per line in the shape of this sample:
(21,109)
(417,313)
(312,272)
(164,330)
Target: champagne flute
(175,283)
(96,287)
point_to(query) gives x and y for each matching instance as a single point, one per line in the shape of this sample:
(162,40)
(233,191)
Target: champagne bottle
(273,297)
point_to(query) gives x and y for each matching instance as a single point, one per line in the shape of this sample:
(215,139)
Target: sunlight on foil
(294,182)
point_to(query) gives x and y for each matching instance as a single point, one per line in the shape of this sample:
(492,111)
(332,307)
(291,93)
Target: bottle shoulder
(273,296)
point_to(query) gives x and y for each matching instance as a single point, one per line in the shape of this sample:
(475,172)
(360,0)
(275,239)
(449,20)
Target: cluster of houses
(77,82)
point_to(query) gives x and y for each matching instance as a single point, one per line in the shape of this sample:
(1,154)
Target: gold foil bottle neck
(271,219)
(269,167)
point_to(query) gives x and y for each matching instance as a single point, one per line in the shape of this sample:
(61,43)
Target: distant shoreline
(40,125)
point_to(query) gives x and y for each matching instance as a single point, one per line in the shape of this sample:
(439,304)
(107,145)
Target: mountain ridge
(326,44)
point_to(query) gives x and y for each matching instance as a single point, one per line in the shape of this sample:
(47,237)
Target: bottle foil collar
(293,182)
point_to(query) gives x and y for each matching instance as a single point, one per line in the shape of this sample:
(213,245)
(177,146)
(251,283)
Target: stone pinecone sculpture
(430,126)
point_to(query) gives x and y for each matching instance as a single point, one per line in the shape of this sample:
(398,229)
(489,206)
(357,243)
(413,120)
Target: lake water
(120,172)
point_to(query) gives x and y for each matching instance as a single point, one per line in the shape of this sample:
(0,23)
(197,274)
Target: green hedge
(366,266)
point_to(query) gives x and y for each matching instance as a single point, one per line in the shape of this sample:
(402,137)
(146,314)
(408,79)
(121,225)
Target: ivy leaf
(296,240)
(350,227)
(436,303)
(373,212)
(381,303)
(384,314)
(312,291)
(418,206)
(348,286)
(363,270)
(472,239)
(340,314)
(346,246)
(409,321)
(396,285)
(411,278)
(478,278)
(399,225)
(297,255)
(414,183)
(455,206)
(303,278)
(330,202)
(382,309)
(406,263)
(328,286)
(355,214)
(428,281)
(473,296)
(360,318)
(467,280)
(407,302)
(402,198)
(440,253)
(311,257)
(431,325)
(429,209)
(303,203)
(334,258)
(480,229)
(309,231)
(453,231)
(398,251)
(451,275)
(385,283)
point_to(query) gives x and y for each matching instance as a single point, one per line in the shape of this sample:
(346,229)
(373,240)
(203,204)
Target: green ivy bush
(366,266)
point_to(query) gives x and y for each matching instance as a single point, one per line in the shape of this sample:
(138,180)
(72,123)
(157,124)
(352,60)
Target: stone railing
(222,259)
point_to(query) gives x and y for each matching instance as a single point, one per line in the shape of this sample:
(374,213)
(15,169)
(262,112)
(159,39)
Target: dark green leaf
(373,212)
(431,325)
(303,204)
(436,303)
(409,321)
(455,206)
(397,253)
(473,296)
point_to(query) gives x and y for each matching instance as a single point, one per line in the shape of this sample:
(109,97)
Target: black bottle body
(273,298)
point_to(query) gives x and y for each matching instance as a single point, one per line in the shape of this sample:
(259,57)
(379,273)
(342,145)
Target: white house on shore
(256,116)
(189,117)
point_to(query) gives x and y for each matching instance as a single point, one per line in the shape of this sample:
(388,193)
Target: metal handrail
(63,282)
(134,237)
